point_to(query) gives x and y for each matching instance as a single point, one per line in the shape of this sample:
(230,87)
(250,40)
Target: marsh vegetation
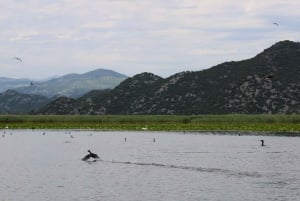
(254,123)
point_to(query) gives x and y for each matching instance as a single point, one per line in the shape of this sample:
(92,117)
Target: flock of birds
(90,154)
(93,157)
(87,158)
(90,157)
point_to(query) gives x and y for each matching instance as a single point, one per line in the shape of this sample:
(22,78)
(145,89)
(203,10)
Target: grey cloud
(140,35)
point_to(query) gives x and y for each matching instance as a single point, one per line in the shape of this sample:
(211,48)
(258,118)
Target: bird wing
(96,156)
(86,157)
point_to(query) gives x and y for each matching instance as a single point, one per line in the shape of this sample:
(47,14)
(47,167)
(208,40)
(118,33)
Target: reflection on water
(46,165)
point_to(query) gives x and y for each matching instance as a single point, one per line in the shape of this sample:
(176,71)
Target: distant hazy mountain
(268,83)
(10,83)
(74,85)
(12,102)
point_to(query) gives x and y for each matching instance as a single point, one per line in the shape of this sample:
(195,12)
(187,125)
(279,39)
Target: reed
(233,122)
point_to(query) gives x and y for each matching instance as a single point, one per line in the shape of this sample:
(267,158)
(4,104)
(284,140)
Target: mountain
(74,85)
(10,83)
(12,102)
(268,83)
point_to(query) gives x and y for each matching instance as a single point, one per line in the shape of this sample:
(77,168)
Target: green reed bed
(255,123)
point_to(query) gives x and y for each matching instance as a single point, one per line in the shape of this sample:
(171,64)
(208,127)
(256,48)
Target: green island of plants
(223,123)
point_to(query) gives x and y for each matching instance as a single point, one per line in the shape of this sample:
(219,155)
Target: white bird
(145,128)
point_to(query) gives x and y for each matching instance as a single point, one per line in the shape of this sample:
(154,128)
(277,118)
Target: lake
(43,165)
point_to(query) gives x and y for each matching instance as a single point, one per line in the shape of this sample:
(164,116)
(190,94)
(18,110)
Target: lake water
(176,167)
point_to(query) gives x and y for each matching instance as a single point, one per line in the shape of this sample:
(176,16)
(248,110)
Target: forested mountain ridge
(268,83)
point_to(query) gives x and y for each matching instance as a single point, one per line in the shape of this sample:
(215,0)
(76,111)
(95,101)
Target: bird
(90,155)
(275,23)
(269,76)
(145,128)
(262,143)
(18,58)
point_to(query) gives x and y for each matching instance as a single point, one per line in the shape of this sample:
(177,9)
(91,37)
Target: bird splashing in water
(90,155)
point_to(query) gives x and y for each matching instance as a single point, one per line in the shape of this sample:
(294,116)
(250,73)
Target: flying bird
(90,155)
(18,58)
(270,76)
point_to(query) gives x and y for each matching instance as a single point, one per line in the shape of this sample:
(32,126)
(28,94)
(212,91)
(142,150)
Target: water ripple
(191,168)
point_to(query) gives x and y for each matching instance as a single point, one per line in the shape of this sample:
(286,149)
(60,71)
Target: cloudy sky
(56,37)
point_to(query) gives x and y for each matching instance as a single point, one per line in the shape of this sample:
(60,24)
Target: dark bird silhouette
(18,58)
(268,76)
(275,23)
(31,83)
(90,155)
(262,143)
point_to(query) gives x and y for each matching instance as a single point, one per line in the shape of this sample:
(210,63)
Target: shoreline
(277,125)
(184,132)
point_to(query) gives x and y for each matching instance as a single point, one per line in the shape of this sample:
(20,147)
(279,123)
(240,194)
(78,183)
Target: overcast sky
(56,37)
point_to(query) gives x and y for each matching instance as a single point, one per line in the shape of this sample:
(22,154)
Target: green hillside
(268,83)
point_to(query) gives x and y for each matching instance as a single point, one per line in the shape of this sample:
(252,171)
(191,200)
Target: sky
(164,37)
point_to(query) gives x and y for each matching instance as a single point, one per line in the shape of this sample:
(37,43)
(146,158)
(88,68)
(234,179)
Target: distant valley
(10,83)
(70,85)
(12,102)
(21,96)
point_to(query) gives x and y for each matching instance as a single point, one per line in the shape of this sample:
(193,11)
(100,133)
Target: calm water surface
(176,167)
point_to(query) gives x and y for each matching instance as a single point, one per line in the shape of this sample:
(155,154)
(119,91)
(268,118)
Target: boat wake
(191,168)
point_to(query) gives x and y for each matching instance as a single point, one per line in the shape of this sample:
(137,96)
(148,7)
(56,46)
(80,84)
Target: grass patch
(264,123)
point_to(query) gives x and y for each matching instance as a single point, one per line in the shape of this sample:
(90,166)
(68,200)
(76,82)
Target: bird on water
(90,155)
